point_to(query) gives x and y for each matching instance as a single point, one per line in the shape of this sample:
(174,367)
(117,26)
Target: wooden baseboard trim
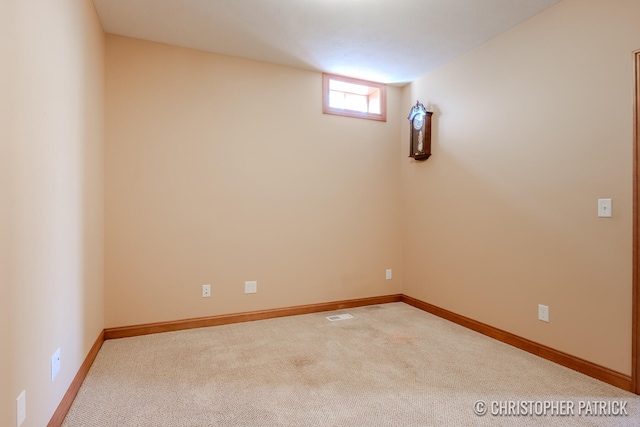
(583,366)
(72,391)
(225,319)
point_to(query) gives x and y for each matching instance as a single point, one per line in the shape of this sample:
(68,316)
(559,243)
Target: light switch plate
(604,208)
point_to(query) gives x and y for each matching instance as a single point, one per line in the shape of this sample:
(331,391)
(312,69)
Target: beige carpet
(391,365)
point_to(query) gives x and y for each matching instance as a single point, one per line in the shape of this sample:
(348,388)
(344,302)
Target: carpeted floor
(391,365)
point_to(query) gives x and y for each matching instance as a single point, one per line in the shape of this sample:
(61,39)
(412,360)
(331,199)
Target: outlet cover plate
(250,287)
(543,312)
(206,291)
(55,365)
(21,408)
(389,274)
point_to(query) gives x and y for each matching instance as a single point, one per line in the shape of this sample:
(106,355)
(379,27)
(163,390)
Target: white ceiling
(389,41)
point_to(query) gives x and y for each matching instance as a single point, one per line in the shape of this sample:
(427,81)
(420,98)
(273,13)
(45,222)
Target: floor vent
(340,317)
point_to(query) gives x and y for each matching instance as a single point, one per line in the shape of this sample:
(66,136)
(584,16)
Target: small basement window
(344,96)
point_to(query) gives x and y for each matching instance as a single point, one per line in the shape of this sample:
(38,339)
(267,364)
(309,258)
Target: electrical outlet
(206,291)
(250,287)
(21,408)
(543,312)
(389,274)
(55,365)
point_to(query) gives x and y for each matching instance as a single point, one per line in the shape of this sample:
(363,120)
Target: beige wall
(6,77)
(530,130)
(54,198)
(221,170)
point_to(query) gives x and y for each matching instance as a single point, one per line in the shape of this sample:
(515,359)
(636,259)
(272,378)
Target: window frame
(327,109)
